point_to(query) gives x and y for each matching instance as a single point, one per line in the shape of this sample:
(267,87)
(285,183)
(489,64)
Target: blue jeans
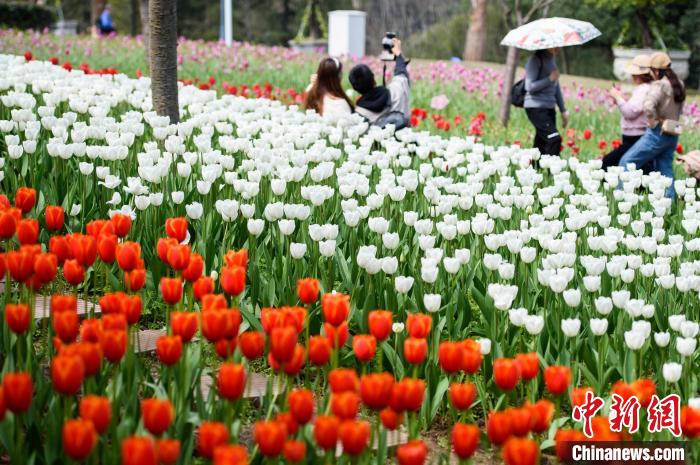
(657,147)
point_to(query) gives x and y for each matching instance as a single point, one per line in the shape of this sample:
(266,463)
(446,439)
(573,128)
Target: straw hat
(660,60)
(639,65)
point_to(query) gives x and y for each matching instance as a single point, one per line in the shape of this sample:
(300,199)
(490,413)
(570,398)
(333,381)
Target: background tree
(162,19)
(143,14)
(514,17)
(96,7)
(475,42)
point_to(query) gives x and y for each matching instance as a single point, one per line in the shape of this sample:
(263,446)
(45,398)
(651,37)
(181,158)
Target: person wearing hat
(662,107)
(633,120)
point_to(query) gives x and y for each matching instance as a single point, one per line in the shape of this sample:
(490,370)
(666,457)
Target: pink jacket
(634,120)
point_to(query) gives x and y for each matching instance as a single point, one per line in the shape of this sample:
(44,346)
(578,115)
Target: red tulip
(18,391)
(60,247)
(415,349)
(128,255)
(184,325)
(465,440)
(139,450)
(307,290)
(412,453)
(337,336)
(294,451)
(214,324)
(326,431)
(301,405)
(380,322)
(27,231)
(99,227)
(169,349)
(113,343)
(202,287)
(65,325)
(296,363)
(521,420)
(521,451)
(121,224)
(168,451)
(83,249)
(230,454)
(345,405)
(390,419)
(67,373)
(89,352)
(506,373)
(176,228)
(376,389)
(73,272)
(157,415)
(354,435)
(587,133)
(450,356)
(45,267)
(336,308)
(236,258)
(211,435)
(564,439)
(79,438)
(364,346)
(25,198)
(529,365)
(410,394)
(17,317)
(179,256)
(97,410)
(135,279)
(343,379)
(542,412)
(232,279)
(171,290)
(195,268)
(498,427)
(578,395)
(282,342)
(690,422)
(231,381)
(270,437)
(418,325)
(8,223)
(163,247)
(557,379)
(252,344)
(55,218)
(463,395)
(319,350)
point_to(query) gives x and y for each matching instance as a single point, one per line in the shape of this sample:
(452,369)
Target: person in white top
(325,94)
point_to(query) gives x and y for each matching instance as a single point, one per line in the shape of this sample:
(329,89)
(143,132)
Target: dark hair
(362,79)
(644,78)
(327,82)
(676,84)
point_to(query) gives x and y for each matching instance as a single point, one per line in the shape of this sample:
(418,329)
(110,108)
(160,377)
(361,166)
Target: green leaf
(396,364)
(439,395)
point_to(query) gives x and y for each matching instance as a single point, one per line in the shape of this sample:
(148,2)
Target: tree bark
(476,32)
(143,12)
(644,29)
(96,7)
(134,17)
(508,78)
(162,15)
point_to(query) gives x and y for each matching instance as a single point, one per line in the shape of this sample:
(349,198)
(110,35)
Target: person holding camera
(325,93)
(543,95)
(385,104)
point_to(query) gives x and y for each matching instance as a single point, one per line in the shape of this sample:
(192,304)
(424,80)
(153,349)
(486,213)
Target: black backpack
(518,92)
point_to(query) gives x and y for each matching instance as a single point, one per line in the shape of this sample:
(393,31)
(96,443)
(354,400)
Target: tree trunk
(644,29)
(508,78)
(476,32)
(143,12)
(162,15)
(134,17)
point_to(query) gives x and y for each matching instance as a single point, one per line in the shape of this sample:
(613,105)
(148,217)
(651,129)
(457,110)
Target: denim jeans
(657,147)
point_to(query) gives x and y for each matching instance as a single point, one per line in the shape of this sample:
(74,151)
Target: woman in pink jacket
(633,119)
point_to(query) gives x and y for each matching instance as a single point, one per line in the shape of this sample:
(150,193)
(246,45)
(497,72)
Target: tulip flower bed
(448,97)
(381,282)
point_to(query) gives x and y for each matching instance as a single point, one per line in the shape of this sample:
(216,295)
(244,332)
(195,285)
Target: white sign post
(346,33)
(228,22)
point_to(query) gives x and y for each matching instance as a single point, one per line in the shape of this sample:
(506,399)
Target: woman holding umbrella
(543,95)
(541,84)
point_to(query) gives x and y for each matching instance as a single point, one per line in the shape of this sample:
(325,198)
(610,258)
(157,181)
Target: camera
(387,45)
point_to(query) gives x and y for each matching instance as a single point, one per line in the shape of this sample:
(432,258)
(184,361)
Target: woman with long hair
(633,120)
(325,95)
(542,97)
(663,106)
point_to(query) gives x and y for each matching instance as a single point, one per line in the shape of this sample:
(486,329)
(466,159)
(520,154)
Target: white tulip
(689,329)
(634,340)
(506,271)
(429,274)
(662,339)
(534,324)
(177,197)
(390,265)
(390,240)
(195,210)
(599,326)
(675,322)
(517,316)
(451,264)
(620,298)
(643,327)
(432,302)
(286,227)
(672,372)
(572,297)
(327,248)
(686,346)
(571,326)
(297,250)
(463,255)
(484,345)
(75,209)
(255,226)
(86,168)
(403,284)
(397,328)
(592,283)
(142,202)
(528,254)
